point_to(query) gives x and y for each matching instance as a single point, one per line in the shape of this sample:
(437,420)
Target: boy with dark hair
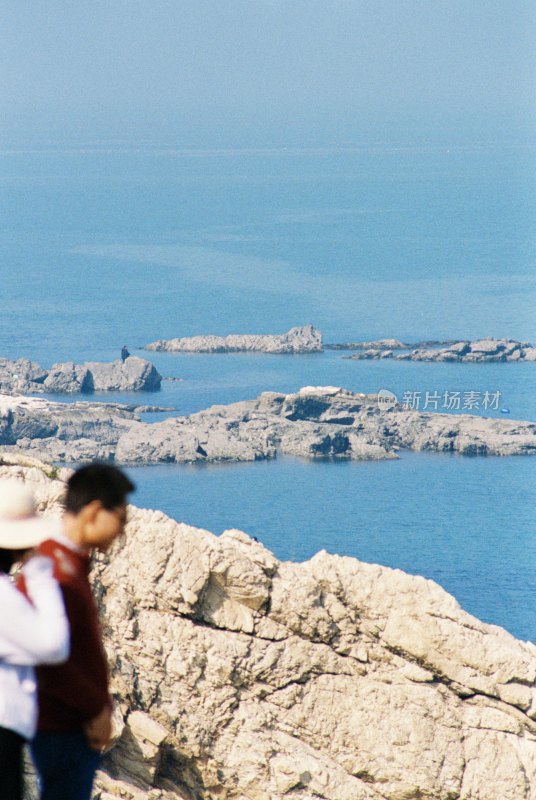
(74,724)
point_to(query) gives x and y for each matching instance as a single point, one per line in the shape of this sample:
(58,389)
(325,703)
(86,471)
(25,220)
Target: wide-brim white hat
(20,527)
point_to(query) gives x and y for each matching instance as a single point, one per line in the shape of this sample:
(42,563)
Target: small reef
(479,351)
(305,339)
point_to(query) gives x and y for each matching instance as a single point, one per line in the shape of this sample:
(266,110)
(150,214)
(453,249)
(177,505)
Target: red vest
(72,693)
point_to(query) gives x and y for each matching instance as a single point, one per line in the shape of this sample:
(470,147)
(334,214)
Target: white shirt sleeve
(38,633)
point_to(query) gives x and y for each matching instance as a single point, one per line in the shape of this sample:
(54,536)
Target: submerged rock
(377,344)
(239,676)
(298,340)
(371,353)
(132,375)
(316,422)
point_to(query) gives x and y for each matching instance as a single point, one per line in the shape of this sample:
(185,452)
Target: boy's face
(105,527)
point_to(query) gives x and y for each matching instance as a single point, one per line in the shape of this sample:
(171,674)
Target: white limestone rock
(240,676)
(133,375)
(68,378)
(482,350)
(377,344)
(315,422)
(529,354)
(305,339)
(20,374)
(487,346)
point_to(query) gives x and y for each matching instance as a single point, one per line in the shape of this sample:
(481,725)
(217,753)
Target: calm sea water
(104,246)
(467,523)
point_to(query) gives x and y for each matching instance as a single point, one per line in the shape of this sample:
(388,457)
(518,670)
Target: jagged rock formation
(25,377)
(483,350)
(298,340)
(238,676)
(62,431)
(315,422)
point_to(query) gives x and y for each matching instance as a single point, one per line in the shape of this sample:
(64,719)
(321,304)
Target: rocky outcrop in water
(298,340)
(371,353)
(62,431)
(377,344)
(26,377)
(316,422)
(239,676)
(483,350)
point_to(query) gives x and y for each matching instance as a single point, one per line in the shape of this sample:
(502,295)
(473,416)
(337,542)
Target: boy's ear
(87,514)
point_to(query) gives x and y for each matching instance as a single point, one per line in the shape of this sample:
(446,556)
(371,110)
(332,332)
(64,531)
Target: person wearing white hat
(33,629)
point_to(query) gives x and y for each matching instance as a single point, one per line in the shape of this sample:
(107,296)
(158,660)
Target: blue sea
(111,244)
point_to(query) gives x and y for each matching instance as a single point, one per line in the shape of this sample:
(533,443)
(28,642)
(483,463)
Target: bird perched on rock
(124,353)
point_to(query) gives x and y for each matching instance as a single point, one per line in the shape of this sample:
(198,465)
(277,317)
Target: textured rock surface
(298,340)
(62,431)
(483,350)
(315,422)
(240,677)
(134,375)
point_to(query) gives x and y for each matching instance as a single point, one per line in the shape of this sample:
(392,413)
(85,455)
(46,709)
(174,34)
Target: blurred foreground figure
(33,629)
(75,708)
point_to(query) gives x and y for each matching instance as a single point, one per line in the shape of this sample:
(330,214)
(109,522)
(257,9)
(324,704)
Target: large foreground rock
(298,340)
(240,677)
(26,377)
(316,422)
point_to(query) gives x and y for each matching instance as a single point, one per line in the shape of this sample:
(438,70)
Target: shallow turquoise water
(101,247)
